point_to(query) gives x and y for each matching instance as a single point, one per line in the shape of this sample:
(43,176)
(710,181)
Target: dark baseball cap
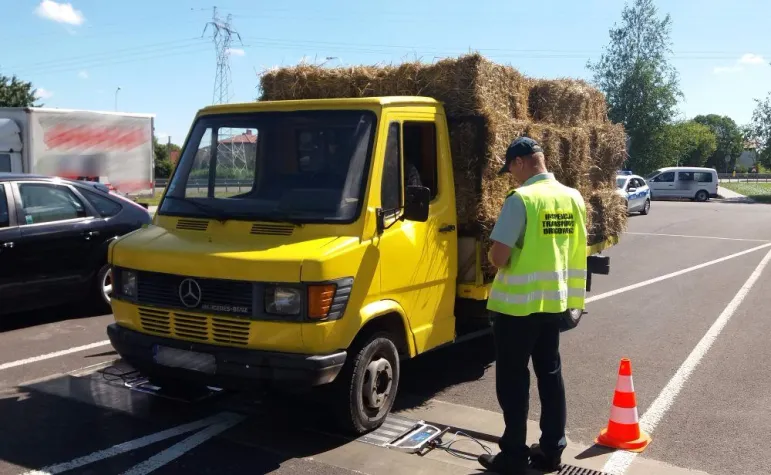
(519,147)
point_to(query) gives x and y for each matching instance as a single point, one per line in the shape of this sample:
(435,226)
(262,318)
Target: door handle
(447,228)
(8,245)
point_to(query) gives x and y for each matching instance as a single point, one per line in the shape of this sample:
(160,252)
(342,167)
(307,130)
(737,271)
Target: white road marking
(699,237)
(620,461)
(55,354)
(177,450)
(644,283)
(119,449)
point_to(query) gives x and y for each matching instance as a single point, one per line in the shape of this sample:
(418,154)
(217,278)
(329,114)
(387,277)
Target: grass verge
(760,192)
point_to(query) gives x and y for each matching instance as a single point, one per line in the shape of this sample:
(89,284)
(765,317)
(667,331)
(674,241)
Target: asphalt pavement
(685,271)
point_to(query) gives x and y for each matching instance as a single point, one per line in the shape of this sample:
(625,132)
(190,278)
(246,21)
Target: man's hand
(499,254)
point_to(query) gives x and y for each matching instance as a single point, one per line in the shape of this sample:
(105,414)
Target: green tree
(730,140)
(760,130)
(163,164)
(640,85)
(16,93)
(687,143)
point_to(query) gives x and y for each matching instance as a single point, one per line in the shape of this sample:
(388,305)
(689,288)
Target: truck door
(419,260)
(9,237)
(56,237)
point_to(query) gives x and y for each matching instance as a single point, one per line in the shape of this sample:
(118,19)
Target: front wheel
(367,385)
(646,207)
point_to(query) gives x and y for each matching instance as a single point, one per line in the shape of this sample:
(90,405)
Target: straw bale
(606,214)
(566,102)
(608,152)
(468,85)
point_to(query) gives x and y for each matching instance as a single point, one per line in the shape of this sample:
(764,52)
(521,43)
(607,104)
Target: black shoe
(539,460)
(497,464)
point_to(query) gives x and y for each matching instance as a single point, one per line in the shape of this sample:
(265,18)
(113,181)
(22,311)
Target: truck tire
(367,385)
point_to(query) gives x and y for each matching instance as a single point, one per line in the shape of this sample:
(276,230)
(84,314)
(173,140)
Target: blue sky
(78,52)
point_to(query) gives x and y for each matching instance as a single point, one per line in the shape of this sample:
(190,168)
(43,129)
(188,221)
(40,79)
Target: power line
(102,63)
(143,49)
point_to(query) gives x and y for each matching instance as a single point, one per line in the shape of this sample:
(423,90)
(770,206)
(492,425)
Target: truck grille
(222,330)
(227,297)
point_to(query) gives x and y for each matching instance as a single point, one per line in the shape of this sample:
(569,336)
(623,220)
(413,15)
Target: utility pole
(230,147)
(222,37)
(116,98)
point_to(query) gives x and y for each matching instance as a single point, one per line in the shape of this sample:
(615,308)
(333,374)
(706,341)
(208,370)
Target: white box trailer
(78,144)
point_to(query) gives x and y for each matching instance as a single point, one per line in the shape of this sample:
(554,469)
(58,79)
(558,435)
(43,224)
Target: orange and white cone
(623,431)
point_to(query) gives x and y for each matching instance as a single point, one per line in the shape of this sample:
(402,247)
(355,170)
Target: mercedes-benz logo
(190,293)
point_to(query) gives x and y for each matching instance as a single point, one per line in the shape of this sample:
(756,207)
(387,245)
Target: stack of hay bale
(488,105)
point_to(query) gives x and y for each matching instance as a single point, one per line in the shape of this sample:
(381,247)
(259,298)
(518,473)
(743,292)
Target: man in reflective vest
(539,249)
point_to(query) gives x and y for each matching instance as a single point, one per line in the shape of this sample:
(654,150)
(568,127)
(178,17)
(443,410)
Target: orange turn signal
(320,300)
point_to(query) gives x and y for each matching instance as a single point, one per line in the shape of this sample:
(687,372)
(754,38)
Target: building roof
(248,137)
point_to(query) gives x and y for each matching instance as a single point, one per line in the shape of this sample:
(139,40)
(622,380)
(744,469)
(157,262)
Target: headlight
(128,283)
(283,301)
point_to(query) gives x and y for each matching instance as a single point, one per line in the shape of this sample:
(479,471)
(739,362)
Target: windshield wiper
(207,210)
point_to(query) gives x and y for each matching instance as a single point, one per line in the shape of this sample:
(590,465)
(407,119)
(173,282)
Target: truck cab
(340,259)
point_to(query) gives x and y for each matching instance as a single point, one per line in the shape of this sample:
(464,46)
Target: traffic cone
(623,431)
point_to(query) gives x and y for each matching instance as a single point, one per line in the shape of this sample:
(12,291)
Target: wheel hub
(378,381)
(107,286)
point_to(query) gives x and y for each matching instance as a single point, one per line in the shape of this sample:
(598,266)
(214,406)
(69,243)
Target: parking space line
(213,421)
(699,237)
(673,274)
(619,462)
(55,354)
(177,450)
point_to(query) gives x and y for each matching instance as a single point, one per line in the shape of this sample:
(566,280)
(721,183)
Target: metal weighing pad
(417,439)
(143,385)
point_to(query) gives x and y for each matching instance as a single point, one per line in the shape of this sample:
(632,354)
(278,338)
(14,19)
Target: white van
(695,183)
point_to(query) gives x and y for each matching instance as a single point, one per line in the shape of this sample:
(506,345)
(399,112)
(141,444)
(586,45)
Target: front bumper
(236,368)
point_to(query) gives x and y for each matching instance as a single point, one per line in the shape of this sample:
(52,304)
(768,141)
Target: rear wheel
(367,385)
(646,207)
(702,196)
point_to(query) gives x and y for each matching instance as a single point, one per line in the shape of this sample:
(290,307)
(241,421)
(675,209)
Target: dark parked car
(54,235)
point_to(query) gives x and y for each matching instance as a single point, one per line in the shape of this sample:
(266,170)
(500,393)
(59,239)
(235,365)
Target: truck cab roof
(336,103)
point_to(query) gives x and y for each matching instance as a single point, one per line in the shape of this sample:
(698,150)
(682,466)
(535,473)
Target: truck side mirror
(416,199)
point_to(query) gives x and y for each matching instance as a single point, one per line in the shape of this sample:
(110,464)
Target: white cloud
(750,58)
(60,12)
(41,93)
(83,75)
(236,52)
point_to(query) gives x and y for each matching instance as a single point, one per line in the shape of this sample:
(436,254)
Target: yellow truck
(331,267)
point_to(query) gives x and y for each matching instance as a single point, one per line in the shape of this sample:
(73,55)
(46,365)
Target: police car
(635,191)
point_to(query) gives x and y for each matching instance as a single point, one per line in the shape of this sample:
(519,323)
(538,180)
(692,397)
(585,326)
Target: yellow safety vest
(548,274)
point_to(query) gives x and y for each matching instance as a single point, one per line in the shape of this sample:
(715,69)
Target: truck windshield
(306,166)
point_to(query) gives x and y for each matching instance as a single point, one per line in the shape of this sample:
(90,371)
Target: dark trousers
(517,339)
